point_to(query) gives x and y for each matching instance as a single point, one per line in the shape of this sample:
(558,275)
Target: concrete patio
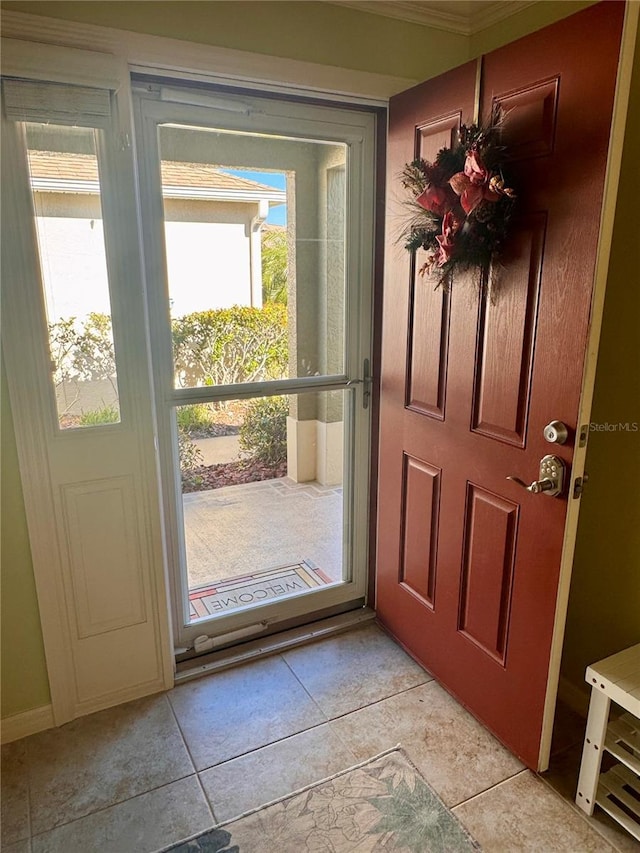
(236,530)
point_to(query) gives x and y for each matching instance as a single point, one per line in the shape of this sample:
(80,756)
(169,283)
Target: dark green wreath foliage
(480,234)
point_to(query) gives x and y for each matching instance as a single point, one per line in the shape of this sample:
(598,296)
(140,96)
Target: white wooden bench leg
(592,751)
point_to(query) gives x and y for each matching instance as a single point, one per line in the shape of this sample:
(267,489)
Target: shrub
(264,431)
(195,418)
(230,345)
(218,347)
(190,458)
(105,415)
(94,356)
(83,352)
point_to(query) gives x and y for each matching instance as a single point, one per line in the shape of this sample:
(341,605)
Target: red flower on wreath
(445,240)
(474,184)
(433,199)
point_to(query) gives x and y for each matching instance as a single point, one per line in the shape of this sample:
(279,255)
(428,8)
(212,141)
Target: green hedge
(218,347)
(231,345)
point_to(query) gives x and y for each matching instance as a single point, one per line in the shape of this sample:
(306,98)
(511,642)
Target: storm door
(258,250)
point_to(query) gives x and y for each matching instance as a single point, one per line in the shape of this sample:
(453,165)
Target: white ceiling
(457,16)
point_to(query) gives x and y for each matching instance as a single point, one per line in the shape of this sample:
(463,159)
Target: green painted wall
(604,607)
(311,31)
(24,674)
(605,594)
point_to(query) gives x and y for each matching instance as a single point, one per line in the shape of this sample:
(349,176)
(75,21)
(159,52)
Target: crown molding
(499,11)
(421,12)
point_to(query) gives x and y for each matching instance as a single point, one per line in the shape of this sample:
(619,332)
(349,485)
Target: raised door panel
(430,310)
(420,515)
(430,307)
(105,558)
(489,548)
(531,119)
(506,337)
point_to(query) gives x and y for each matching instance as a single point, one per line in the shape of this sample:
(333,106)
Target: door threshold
(226,658)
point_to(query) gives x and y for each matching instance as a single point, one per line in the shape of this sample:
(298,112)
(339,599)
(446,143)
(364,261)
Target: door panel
(105,565)
(468,561)
(506,339)
(489,538)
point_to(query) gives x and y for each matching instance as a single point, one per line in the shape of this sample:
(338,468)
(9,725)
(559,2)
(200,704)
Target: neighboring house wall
(344,37)
(209,254)
(75,283)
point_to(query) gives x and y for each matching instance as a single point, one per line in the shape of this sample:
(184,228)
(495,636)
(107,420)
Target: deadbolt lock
(556,432)
(550,477)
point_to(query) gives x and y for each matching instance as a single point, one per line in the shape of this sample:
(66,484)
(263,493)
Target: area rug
(228,594)
(381,805)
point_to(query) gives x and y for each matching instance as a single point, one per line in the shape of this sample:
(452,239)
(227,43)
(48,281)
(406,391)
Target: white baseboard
(28,723)
(576,698)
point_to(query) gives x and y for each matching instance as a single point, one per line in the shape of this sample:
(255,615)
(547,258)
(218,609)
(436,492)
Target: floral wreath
(460,206)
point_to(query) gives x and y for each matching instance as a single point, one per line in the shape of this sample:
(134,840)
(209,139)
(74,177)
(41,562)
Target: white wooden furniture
(614,679)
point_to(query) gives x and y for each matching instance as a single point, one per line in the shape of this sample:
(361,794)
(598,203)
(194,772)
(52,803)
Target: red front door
(469,561)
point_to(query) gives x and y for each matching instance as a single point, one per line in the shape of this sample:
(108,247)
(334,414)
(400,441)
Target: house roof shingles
(57,166)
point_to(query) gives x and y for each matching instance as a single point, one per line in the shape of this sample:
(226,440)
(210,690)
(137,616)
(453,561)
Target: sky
(278,214)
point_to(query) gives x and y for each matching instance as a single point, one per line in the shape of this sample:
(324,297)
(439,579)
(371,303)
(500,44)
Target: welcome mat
(218,597)
(383,804)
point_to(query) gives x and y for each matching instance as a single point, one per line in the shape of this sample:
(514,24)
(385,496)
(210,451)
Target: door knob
(556,432)
(550,477)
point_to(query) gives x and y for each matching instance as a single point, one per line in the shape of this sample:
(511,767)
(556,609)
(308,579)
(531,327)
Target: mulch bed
(231,474)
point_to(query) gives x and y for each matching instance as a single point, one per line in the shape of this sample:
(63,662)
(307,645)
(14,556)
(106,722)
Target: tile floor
(143,775)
